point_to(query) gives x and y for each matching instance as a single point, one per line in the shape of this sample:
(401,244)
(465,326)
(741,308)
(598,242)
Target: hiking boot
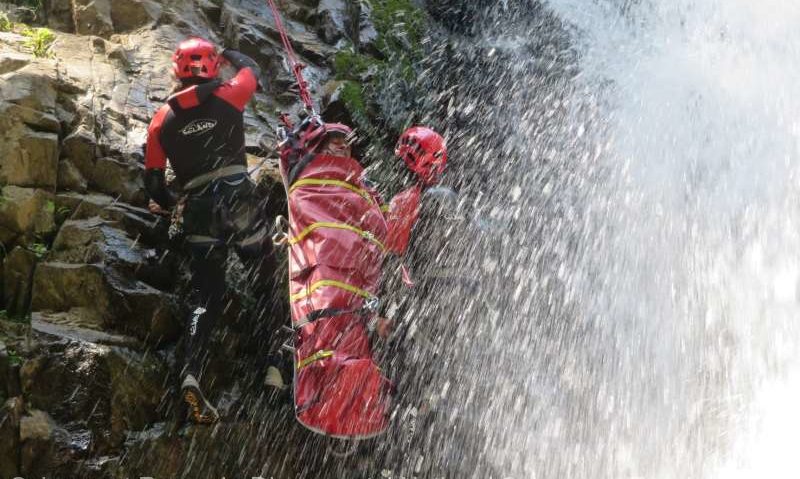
(200,410)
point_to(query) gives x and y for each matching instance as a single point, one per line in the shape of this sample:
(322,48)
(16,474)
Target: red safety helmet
(424,151)
(196,58)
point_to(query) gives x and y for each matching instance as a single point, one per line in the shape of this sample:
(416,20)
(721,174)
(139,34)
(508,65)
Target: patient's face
(337,146)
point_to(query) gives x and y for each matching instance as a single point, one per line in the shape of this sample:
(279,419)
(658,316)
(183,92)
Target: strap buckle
(371,305)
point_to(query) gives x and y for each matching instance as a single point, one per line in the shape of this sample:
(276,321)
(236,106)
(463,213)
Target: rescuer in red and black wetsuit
(201,131)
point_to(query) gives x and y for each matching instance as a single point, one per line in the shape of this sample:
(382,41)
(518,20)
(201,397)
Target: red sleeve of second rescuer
(155,158)
(240,89)
(401,218)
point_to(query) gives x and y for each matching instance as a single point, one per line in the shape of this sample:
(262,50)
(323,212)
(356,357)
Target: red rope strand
(297,67)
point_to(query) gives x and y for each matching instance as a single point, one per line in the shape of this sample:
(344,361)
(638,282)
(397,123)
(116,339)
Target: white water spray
(638,309)
(689,252)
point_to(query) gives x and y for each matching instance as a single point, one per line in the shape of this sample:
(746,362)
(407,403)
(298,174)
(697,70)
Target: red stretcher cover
(336,247)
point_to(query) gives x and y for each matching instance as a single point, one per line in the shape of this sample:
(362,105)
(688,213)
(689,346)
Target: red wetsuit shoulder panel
(155,157)
(238,90)
(188,98)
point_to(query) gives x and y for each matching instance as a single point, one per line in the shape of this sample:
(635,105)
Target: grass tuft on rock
(40,41)
(13,358)
(6,25)
(39,249)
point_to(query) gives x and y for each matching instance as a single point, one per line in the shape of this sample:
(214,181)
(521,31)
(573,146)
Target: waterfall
(640,297)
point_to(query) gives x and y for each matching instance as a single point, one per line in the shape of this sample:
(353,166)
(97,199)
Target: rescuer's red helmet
(424,152)
(196,58)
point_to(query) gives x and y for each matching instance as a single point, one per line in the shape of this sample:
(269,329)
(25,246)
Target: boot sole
(191,400)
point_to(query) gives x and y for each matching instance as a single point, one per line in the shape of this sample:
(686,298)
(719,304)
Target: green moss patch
(349,65)
(353,96)
(400,25)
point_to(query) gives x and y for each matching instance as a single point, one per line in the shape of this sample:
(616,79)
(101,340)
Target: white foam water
(691,257)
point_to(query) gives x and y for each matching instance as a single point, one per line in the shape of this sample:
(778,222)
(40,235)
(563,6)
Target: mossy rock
(349,65)
(400,24)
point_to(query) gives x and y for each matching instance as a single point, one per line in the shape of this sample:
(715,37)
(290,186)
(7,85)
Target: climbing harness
(218,174)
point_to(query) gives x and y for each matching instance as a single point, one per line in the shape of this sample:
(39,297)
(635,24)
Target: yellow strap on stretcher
(329,282)
(319,355)
(331,182)
(341,226)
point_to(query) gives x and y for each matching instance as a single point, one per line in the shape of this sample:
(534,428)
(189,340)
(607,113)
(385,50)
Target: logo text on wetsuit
(198,127)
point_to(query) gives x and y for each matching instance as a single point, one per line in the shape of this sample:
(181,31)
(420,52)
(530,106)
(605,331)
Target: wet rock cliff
(92,291)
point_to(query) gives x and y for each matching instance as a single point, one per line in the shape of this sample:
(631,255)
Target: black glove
(156,187)
(239,60)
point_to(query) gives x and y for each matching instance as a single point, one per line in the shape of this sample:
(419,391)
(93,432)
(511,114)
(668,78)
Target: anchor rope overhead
(296,66)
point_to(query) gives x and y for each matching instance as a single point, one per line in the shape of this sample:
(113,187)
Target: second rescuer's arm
(156,163)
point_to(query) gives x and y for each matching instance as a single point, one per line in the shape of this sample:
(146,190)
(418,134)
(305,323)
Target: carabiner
(281,236)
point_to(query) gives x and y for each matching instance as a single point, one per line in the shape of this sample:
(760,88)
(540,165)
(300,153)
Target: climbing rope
(296,66)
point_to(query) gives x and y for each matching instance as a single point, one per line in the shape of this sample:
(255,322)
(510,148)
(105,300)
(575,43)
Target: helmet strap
(192,81)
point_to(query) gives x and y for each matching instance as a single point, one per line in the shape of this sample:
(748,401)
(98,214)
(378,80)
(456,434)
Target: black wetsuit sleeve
(156,187)
(239,61)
